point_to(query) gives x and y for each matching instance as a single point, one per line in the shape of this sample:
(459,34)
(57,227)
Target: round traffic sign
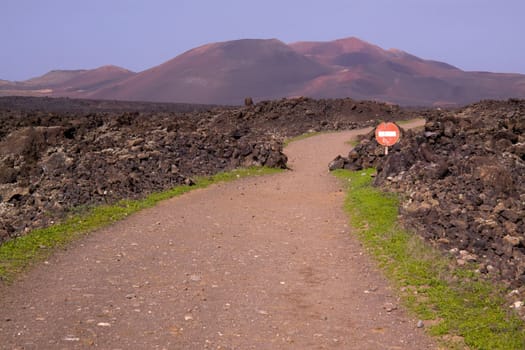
(387,134)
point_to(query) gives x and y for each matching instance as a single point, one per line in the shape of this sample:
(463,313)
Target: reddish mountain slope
(93,79)
(74,83)
(368,72)
(53,78)
(221,73)
(353,52)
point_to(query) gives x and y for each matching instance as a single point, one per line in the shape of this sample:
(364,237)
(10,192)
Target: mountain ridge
(227,72)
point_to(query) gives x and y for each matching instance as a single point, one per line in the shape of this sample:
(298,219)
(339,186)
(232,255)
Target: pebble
(389,307)
(71,338)
(420,324)
(104,324)
(461,262)
(512,240)
(371,290)
(188,318)
(195,278)
(465,255)
(514,292)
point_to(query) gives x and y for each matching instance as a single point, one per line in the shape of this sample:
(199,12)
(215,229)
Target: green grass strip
(467,311)
(304,136)
(404,122)
(17,254)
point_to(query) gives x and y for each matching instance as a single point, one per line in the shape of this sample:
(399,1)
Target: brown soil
(260,263)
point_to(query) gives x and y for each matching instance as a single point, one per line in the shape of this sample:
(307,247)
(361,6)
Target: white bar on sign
(387,134)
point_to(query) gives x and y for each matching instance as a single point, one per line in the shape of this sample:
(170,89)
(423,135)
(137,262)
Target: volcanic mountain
(222,73)
(227,72)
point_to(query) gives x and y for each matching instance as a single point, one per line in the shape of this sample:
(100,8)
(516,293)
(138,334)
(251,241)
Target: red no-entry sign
(387,134)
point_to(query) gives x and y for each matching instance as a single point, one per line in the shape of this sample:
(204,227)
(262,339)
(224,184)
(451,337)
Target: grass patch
(404,122)
(468,311)
(19,253)
(352,143)
(302,137)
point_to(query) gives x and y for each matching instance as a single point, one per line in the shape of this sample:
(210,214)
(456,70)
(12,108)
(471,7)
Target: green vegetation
(352,143)
(465,310)
(302,137)
(404,122)
(17,254)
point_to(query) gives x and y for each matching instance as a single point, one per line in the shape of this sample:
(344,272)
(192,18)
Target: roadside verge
(18,254)
(455,304)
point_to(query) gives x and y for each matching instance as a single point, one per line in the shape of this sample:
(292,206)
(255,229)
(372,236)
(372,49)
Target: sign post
(387,134)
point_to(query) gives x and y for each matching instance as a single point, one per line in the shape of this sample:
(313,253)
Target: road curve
(260,263)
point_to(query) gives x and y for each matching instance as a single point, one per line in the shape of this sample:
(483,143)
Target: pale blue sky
(40,35)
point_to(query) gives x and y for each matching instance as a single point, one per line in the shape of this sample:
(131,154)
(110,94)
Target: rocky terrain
(56,155)
(68,105)
(462,181)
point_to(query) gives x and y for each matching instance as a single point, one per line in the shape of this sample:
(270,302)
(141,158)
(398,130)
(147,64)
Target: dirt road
(261,263)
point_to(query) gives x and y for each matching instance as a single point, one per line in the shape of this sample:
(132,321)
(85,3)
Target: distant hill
(366,71)
(226,72)
(94,79)
(66,83)
(54,78)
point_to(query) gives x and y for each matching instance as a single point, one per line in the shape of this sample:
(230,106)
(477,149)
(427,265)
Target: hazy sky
(41,35)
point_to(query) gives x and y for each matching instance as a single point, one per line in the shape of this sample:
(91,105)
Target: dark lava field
(461,177)
(60,154)
(462,183)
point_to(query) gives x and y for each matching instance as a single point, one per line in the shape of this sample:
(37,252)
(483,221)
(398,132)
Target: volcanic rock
(56,155)
(462,180)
